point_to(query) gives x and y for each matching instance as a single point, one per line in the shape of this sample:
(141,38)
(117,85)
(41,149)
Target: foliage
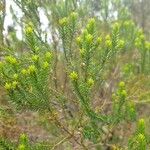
(81,82)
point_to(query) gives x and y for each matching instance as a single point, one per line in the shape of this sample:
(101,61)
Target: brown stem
(55,57)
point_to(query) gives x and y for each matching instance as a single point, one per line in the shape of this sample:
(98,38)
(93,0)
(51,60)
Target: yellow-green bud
(89,38)
(142,37)
(132,23)
(107,37)
(141,141)
(73,76)
(24,71)
(21,147)
(15,76)
(35,58)
(79,40)
(45,65)
(121,44)
(73,15)
(141,137)
(11,60)
(29,30)
(23,137)
(1,65)
(132,110)
(124,93)
(141,125)
(91,22)
(126,23)
(31,69)
(121,84)
(99,40)
(90,26)
(116,27)
(14,84)
(147,45)
(90,82)
(63,21)
(36,48)
(48,56)
(138,42)
(108,43)
(8,86)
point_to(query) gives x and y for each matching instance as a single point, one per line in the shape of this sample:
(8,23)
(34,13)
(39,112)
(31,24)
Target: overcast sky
(17,11)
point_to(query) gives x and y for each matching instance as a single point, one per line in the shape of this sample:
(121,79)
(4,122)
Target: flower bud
(121,44)
(35,58)
(23,137)
(107,37)
(79,40)
(73,15)
(91,22)
(14,84)
(63,22)
(126,23)
(90,82)
(45,65)
(11,60)
(24,71)
(141,140)
(131,111)
(116,27)
(29,29)
(73,76)
(89,38)
(124,93)
(108,43)
(142,37)
(141,137)
(147,45)
(15,76)
(99,40)
(91,25)
(1,65)
(141,126)
(138,43)
(48,56)
(8,86)
(121,84)
(21,147)
(31,69)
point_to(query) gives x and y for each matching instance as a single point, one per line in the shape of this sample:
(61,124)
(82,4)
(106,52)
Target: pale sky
(17,11)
